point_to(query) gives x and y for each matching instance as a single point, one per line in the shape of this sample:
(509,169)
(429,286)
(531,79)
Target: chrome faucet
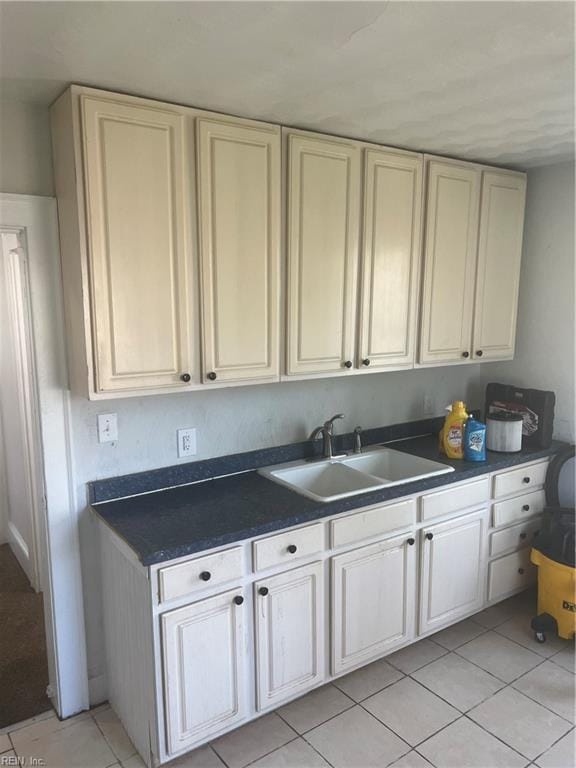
(327,433)
(358,440)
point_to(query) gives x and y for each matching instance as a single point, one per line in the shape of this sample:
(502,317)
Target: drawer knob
(521,571)
(522,535)
(238,599)
(212,376)
(411,542)
(429,536)
(525,479)
(526,507)
(479,353)
(205,575)
(292,548)
(185,377)
(348,364)
(366,361)
(263,591)
(465,354)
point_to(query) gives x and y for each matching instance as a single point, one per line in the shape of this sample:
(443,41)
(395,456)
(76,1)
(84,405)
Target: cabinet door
(290,616)
(449,262)
(138,245)
(323,221)
(239,203)
(203,665)
(453,570)
(499,252)
(373,601)
(390,258)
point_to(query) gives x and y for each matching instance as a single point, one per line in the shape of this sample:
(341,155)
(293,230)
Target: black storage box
(536,407)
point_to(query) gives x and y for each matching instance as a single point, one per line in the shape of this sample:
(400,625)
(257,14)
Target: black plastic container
(536,406)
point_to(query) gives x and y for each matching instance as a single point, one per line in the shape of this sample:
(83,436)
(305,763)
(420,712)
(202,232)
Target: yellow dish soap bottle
(453,431)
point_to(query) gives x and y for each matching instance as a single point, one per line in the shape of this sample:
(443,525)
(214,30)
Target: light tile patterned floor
(481,694)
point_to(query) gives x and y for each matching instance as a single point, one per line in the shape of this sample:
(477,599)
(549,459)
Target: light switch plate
(107,427)
(186,442)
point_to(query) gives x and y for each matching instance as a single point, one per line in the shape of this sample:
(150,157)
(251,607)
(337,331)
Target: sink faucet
(327,433)
(358,440)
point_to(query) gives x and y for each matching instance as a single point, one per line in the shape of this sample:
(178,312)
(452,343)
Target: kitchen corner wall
(545,337)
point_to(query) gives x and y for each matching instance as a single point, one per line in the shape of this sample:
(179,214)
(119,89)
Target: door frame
(34,219)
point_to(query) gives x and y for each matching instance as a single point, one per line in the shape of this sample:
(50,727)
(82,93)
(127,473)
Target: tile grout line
(554,744)
(118,758)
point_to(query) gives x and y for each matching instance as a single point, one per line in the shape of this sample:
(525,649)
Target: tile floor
(481,694)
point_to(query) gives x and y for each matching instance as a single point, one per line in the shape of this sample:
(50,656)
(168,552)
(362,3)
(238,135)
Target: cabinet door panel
(449,262)
(373,602)
(499,253)
(138,244)
(453,570)
(323,220)
(239,202)
(203,653)
(289,634)
(390,260)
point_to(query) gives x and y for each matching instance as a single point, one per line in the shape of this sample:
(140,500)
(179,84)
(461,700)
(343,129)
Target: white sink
(331,479)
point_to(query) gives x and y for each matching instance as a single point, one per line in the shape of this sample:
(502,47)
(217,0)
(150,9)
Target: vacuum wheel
(540,637)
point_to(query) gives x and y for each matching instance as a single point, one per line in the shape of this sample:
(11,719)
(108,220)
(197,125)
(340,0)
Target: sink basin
(332,479)
(395,467)
(323,480)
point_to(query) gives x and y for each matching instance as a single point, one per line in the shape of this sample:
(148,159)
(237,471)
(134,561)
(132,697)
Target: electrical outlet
(107,427)
(186,442)
(428,405)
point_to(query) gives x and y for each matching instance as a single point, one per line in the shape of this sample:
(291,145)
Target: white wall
(25,149)
(545,337)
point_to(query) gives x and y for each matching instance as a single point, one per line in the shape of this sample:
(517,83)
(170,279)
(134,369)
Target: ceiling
(489,81)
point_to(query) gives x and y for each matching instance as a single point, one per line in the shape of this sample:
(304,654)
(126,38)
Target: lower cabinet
(373,601)
(203,660)
(290,645)
(452,576)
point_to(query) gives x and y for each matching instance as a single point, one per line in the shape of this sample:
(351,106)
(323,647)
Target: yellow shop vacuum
(554,553)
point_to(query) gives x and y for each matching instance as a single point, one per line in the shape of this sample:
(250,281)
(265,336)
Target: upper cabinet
(473,244)
(499,252)
(390,258)
(138,249)
(322,250)
(239,235)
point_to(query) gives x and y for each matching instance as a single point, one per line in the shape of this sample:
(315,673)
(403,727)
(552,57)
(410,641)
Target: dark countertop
(168,524)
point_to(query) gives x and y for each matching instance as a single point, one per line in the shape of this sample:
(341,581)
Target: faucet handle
(330,423)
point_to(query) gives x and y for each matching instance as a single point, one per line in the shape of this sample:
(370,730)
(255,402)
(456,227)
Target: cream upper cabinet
(449,262)
(322,248)
(239,233)
(390,258)
(138,244)
(498,276)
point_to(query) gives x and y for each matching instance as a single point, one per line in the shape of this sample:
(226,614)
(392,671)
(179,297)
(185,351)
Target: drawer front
(200,573)
(455,498)
(522,479)
(516,537)
(373,522)
(285,548)
(510,573)
(518,508)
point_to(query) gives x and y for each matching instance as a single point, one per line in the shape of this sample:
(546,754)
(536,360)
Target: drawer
(518,508)
(510,573)
(524,478)
(515,537)
(455,497)
(284,548)
(373,522)
(200,573)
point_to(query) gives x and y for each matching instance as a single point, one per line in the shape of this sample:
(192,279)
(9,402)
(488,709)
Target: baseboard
(97,690)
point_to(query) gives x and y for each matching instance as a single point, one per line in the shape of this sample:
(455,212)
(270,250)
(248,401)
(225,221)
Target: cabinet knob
(522,535)
(212,376)
(185,377)
(348,364)
(525,479)
(429,536)
(238,599)
(536,533)
(479,353)
(526,507)
(411,542)
(521,571)
(263,591)
(205,575)
(465,354)
(292,548)
(366,361)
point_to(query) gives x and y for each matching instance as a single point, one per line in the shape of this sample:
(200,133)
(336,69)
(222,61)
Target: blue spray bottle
(474,440)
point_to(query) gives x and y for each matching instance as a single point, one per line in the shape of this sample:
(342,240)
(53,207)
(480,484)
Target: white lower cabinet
(290,640)
(373,601)
(203,666)
(453,572)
